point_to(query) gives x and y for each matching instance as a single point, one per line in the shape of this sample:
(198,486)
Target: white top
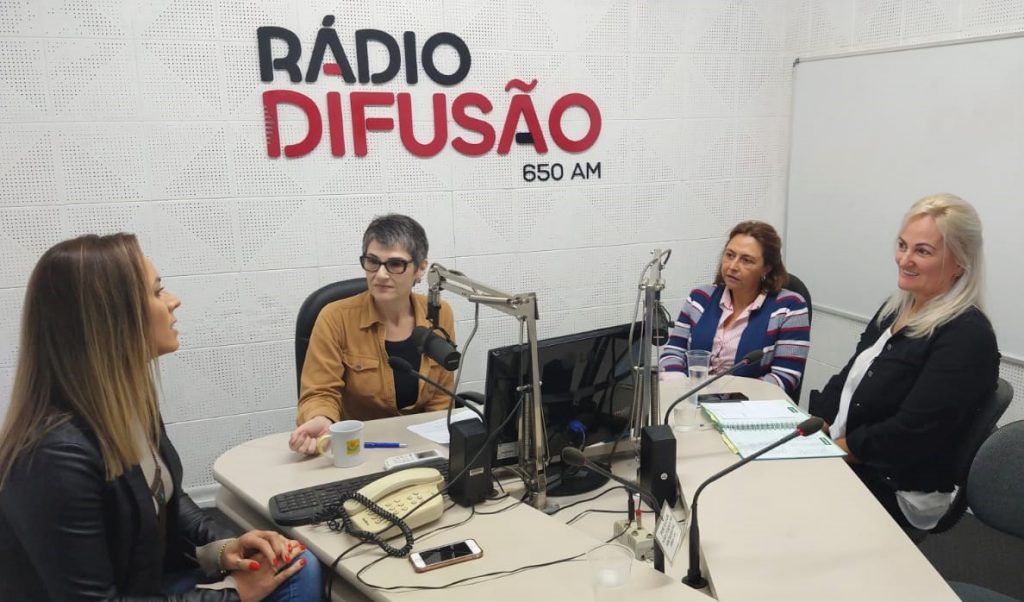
(857,371)
(922,509)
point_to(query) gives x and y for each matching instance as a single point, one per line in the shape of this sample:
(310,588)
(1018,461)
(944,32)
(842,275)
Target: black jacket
(67,533)
(916,400)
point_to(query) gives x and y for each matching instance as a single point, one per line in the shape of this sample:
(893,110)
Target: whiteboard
(873,133)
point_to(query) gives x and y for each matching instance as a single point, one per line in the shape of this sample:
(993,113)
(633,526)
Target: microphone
(436,348)
(575,457)
(750,358)
(401,365)
(693,577)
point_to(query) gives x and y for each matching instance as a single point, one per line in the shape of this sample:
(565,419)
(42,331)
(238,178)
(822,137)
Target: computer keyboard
(300,507)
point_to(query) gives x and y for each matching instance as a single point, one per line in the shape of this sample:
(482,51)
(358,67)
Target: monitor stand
(564,480)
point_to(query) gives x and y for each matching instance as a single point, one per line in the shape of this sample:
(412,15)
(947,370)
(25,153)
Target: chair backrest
(311,309)
(995,489)
(985,418)
(797,286)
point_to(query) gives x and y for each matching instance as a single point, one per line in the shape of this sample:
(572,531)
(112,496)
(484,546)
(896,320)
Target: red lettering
(271,100)
(361,124)
(555,122)
(460,144)
(521,105)
(405,126)
(335,124)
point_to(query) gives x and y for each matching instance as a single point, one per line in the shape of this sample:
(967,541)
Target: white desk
(773,530)
(255,471)
(795,529)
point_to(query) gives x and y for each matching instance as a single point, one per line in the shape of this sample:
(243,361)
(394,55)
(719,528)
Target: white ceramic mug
(345,440)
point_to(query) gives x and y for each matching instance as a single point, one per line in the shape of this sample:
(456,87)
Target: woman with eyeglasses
(746,309)
(346,374)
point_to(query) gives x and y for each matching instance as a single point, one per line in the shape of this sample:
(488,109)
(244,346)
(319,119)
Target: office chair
(311,309)
(797,286)
(985,418)
(994,492)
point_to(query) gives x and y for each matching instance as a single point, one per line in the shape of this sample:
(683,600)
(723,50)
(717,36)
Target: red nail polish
(288,558)
(273,562)
(254,566)
(302,562)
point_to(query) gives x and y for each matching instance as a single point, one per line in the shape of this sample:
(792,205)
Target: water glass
(687,415)
(609,571)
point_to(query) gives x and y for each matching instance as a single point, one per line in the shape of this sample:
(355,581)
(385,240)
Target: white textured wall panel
(200,442)
(28,168)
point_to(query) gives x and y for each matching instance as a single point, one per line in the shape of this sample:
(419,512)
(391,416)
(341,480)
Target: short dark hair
(771,249)
(396,229)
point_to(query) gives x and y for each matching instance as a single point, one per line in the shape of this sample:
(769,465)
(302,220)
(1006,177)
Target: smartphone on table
(445,555)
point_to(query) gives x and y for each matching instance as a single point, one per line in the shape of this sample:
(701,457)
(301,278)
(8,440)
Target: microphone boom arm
(533,451)
(646,408)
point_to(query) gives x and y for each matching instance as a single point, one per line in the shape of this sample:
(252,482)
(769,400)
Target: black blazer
(67,533)
(916,400)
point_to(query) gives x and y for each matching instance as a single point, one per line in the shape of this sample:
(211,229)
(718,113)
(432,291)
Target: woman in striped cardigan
(746,309)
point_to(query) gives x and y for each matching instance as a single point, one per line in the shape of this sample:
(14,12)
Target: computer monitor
(586,395)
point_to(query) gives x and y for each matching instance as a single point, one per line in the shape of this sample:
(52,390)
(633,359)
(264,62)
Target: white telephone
(398,493)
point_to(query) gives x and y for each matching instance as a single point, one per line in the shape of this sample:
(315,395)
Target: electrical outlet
(640,540)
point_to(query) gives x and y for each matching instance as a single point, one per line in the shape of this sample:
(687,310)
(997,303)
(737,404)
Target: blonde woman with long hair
(91,505)
(923,366)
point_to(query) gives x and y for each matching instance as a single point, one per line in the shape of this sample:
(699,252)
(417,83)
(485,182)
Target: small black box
(467,438)
(658,463)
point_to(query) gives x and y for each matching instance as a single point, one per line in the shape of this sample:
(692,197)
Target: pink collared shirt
(727,338)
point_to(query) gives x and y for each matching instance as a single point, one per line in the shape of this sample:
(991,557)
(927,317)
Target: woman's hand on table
(304,438)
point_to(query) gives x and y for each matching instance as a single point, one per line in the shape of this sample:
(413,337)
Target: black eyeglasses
(395,265)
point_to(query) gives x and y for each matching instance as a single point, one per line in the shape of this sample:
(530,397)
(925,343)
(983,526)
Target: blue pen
(380,444)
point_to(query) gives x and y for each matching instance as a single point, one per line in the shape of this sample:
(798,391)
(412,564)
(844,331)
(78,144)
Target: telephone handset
(398,493)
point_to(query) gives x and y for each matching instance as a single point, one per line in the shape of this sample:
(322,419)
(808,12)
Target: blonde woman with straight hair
(922,368)
(91,505)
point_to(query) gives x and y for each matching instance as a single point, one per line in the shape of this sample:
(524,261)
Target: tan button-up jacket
(346,374)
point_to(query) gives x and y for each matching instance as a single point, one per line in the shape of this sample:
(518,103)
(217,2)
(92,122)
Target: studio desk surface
(773,530)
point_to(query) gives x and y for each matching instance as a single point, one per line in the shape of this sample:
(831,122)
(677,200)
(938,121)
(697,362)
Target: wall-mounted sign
(483,125)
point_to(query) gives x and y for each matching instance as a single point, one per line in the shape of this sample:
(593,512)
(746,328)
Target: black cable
(589,499)
(503,573)
(334,568)
(338,520)
(497,497)
(504,508)
(334,565)
(494,574)
(338,510)
(620,533)
(474,578)
(592,510)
